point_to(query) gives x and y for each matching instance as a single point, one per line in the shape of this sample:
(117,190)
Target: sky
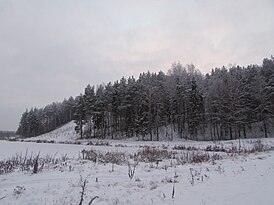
(51,49)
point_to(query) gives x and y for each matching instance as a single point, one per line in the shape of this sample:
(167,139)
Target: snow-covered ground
(238,179)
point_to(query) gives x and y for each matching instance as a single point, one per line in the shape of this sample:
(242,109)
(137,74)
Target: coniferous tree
(79,115)
(89,100)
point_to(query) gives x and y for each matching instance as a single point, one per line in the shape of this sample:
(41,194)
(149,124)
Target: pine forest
(227,103)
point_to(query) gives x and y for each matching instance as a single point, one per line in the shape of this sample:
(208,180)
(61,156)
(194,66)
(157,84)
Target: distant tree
(23,128)
(89,101)
(196,109)
(6,134)
(79,114)
(267,98)
(99,113)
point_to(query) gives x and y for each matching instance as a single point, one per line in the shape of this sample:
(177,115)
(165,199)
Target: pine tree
(195,109)
(89,101)
(23,125)
(79,115)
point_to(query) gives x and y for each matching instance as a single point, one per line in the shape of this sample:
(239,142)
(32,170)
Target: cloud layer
(52,49)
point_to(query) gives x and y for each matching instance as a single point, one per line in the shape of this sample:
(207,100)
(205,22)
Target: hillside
(65,133)
(225,104)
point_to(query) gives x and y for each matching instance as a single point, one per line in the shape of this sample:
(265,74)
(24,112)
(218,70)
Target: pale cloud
(52,49)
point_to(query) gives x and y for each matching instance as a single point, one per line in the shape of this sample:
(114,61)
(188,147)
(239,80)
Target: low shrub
(183,147)
(108,157)
(196,157)
(215,148)
(149,154)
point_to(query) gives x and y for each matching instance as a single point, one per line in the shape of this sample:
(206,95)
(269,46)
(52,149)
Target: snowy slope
(61,134)
(67,134)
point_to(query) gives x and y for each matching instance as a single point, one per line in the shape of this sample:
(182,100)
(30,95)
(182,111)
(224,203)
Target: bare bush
(215,148)
(149,154)
(91,155)
(99,143)
(83,185)
(196,175)
(83,189)
(115,158)
(18,190)
(35,166)
(200,157)
(257,146)
(28,162)
(131,169)
(196,157)
(183,147)
(108,157)
(120,145)
(45,141)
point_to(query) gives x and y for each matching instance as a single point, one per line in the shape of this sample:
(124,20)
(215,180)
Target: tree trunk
(244,131)
(210,129)
(217,131)
(265,129)
(230,132)
(81,129)
(157,133)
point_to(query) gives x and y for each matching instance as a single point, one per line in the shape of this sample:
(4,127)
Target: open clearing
(234,179)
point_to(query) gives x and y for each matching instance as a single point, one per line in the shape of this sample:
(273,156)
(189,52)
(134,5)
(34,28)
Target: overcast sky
(51,49)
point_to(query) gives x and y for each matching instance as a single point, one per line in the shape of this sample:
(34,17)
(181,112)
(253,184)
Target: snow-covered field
(165,178)
(238,179)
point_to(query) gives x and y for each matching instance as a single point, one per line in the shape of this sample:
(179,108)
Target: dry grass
(108,157)
(28,163)
(149,154)
(196,157)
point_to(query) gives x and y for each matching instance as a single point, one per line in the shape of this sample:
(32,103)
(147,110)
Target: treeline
(6,134)
(224,104)
(39,121)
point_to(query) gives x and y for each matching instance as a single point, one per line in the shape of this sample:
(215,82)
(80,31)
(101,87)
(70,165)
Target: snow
(241,179)
(62,134)
(236,179)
